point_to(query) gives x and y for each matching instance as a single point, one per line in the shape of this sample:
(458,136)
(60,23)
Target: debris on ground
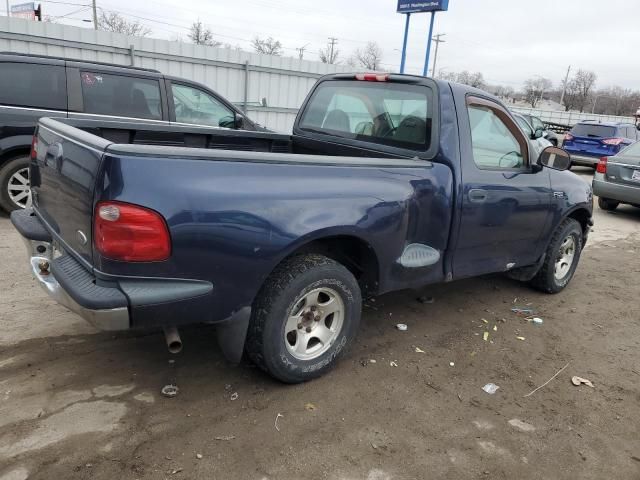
(545,383)
(169,391)
(225,438)
(234,396)
(485,336)
(393,363)
(419,350)
(310,406)
(279,415)
(484,320)
(452,364)
(495,328)
(372,361)
(520,425)
(426,300)
(199,456)
(402,327)
(177,470)
(521,338)
(490,388)
(537,320)
(522,311)
(577,381)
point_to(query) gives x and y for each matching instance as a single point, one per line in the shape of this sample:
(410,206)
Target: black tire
(545,280)
(280,295)
(608,205)
(7,170)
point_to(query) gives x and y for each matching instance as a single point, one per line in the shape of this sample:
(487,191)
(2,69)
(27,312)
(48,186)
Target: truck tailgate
(63,182)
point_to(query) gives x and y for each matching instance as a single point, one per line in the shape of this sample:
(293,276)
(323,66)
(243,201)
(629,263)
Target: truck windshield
(387,113)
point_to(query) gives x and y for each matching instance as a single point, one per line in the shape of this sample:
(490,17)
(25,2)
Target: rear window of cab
(393,114)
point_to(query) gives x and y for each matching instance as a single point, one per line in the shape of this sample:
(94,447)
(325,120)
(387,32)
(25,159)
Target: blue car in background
(588,141)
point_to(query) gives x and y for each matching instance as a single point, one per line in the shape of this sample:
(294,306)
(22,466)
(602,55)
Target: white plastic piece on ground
(490,388)
(402,327)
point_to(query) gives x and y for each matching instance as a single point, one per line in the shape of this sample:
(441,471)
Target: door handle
(477,195)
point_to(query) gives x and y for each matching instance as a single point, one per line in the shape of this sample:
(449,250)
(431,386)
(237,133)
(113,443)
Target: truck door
(505,202)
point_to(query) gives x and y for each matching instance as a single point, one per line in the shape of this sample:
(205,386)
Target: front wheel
(304,318)
(15,189)
(562,257)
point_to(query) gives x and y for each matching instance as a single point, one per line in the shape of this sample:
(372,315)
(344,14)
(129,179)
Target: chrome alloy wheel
(314,323)
(19,188)
(565,258)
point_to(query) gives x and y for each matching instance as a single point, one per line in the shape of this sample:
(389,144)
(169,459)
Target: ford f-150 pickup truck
(388,182)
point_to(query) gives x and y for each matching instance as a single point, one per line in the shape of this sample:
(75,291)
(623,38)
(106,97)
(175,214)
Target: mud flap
(232,334)
(524,274)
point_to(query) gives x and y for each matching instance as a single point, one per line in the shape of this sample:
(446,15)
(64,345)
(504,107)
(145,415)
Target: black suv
(33,86)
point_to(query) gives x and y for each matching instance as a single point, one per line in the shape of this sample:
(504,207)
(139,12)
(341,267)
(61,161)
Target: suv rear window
(121,96)
(386,113)
(33,85)
(593,131)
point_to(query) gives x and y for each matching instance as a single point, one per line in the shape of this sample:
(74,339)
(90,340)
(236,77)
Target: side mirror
(239,122)
(555,158)
(539,133)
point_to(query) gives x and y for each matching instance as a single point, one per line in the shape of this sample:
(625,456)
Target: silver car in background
(536,136)
(617,179)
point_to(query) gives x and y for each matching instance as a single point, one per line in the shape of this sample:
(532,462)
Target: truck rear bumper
(615,191)
(107,302)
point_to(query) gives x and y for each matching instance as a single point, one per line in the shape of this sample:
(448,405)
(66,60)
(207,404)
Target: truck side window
(120,95)
(495,145)
(196,106)
(32,85)
(392,114)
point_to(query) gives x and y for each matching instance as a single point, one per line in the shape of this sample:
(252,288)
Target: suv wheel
(606,204)
(304,318)
(15,191)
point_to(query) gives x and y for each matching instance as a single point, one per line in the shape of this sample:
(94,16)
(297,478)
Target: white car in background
(536,136)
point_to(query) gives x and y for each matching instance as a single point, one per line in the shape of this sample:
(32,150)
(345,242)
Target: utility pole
(301,51)
(95,15)
(564,85)
(333,41)
(436,38)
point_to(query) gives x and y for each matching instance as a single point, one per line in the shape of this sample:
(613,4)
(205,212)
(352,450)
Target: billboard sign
(413,6)
(24,10)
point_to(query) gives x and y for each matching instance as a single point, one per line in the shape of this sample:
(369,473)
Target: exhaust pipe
(174,342)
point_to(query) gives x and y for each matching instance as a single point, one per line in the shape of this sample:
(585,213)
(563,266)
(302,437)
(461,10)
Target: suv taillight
(602,165)
(130,233)
(613,141)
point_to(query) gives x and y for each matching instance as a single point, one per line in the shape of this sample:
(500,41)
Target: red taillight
(613,141)
(602,165)
(126,232)
(373,77)
(34,147)
(568,137)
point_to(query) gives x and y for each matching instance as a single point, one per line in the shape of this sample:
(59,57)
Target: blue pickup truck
(388,182)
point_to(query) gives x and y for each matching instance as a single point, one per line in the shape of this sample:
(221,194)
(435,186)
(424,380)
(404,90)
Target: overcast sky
(507,40)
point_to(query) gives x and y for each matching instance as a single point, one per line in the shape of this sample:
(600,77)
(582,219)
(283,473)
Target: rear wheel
(304,318)
(562,257)
(606,204)
(15,187)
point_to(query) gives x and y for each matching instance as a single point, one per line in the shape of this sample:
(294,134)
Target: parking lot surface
(76,403)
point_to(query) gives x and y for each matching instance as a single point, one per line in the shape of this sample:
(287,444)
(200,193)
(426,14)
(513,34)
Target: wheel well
(583,217)
(16,152)
(352,252)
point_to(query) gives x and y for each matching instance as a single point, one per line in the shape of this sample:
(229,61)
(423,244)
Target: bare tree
(473,79)
(369,57)
(329,54)
(584,82)
(268,46)
(114,22)
(202,35)
(535,88)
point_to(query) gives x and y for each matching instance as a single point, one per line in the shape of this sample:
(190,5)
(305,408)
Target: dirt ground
(78,404)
